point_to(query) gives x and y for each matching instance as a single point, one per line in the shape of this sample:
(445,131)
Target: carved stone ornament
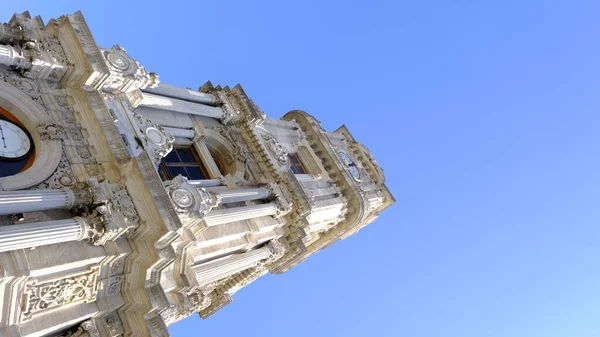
(115,216)
(41,296)
(277,249)
(281,198)
(276,150)
(98,222)
(10,34)
(51,131)
(115,326)
(188,199)
(121,202)
(62,176)
(201,301)
(126,74)
(157,142)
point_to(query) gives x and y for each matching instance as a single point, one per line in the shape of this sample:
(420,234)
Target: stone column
(243,194)
(12,202)
(13,57)
(180,106)
(179,132)
(41,233)
(215,270)
(206,182)
(172,91)
(227,215)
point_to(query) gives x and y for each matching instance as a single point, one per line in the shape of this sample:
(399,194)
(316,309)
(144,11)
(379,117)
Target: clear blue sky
(484,115)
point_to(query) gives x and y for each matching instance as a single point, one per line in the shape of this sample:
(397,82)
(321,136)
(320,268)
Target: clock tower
(128,204)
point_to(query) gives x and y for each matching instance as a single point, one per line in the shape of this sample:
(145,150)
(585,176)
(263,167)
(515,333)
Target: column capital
(190,200)
(88,194)
(276,250)
(97,226)
(10,34)
(114,213)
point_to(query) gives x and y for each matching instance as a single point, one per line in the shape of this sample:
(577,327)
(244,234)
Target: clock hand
(2,133)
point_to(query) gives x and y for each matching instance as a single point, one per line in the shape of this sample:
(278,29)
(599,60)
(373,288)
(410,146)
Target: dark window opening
(184,161)
(296,165)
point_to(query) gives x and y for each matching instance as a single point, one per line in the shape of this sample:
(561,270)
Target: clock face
(350,165)
(14,141)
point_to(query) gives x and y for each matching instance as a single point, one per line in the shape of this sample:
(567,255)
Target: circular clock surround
(18,107)
(350,165)
(15,142)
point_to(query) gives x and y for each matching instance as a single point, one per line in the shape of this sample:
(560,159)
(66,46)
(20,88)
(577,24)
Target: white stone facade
(100,235)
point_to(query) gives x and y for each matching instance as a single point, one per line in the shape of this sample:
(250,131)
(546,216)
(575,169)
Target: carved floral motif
(51,131)
(278,152)
(62,176)
(40,296)
(122,203)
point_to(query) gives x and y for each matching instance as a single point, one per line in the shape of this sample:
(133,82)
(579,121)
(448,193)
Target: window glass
(184,161)
(296,165)
(186,155)
(193,172)
(177,170)
(171,157)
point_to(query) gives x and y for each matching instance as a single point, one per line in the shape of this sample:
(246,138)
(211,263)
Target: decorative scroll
(43,296)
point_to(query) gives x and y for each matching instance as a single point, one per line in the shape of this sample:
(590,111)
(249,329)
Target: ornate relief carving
(122,203)
(282,199)
(52,45)
(114,286)
(98,226)
(277,250)
(41,296)
(126,73)
(158,142)
(117,267)
(276,150)
(10,34)
(28,86)
(187,199)
(114,324)
(201,301)
(62,177)
(51,131)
